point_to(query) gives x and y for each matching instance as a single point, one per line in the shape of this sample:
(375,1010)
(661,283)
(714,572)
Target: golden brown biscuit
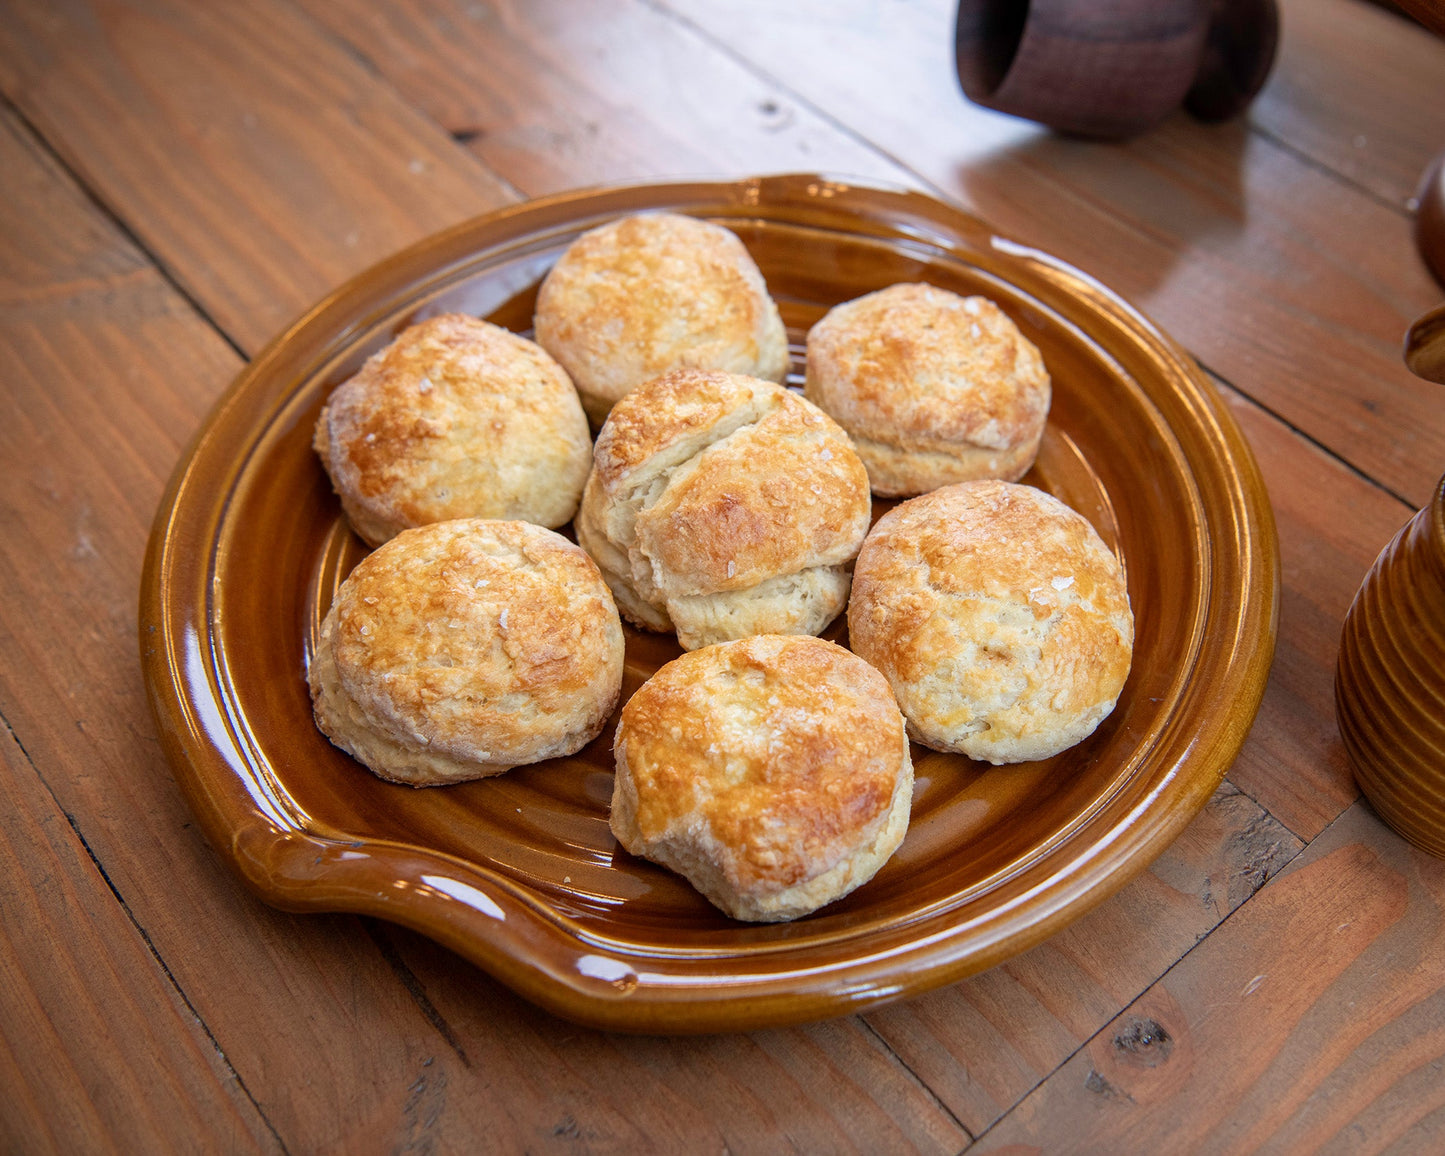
(464,648)
(933,388)
(999,616)
(455,418)
(722,506)
(773,773)
(647,294)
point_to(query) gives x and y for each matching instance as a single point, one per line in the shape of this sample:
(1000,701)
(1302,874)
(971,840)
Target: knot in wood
(1144,1042)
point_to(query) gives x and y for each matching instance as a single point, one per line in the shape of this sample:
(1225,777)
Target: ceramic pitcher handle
(1425,346)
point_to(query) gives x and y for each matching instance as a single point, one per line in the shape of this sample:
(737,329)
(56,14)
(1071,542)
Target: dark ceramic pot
(1113,68)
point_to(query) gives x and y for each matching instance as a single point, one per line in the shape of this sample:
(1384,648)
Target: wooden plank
(337,1040)
(831,1087)
(1295,286)
(1331,525)
(554,94)
(249,151)
(107,368)
(982,1044)
(1359,90)
(98,1052)
(1319,1009)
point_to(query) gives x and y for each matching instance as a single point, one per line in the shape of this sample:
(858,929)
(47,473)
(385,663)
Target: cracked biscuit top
(654,292)
(464,648)
(455,418)
(772,772)
(999,617)
(933,387)
(721,505)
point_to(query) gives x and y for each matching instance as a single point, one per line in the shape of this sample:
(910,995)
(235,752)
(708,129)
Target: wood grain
(1331,525)
(556,95)
(983,1043)
(260,159)
(98,1052)
(1289,282)
(107,369)
(830,1087)
(333,1034)
(1319,1010)
(243,146)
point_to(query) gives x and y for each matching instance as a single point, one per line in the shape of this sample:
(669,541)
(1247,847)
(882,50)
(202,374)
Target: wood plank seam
(144,935)
(919,1080)
(370,67)
(1132,1000)
(1303,435)
(1334,174)
(847,130)
(414,988)
(44,144)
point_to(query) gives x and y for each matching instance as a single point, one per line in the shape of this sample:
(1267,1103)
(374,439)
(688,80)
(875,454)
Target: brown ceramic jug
(1390,680)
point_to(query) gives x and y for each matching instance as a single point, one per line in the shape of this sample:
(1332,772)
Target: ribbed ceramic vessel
(1390,682)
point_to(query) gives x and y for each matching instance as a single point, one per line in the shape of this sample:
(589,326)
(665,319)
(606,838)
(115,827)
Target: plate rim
(296,869)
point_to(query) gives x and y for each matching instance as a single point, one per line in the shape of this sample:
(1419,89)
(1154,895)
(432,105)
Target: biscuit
(999,617)
(721,506)
(455,418)
(646,294)
(932,387)
(773,773)
(462,649)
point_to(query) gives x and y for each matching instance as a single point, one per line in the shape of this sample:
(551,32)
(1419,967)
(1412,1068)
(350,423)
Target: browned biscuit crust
(650,293)
(464,648)
(999,617)
(721,506)
(933,388)
(773,773)
(455,418)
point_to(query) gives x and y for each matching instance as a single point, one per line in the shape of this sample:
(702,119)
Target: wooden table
(178,180)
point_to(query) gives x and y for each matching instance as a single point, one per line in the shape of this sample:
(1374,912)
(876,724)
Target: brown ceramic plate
(520,873)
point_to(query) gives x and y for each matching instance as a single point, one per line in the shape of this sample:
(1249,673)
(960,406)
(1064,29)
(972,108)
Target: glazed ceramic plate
(520,873)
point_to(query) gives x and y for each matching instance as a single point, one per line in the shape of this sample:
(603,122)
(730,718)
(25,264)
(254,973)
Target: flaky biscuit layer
(464,648)
(999,617)
(773,773)
(650,293)
(455,418)
(721,505)
(934,388)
